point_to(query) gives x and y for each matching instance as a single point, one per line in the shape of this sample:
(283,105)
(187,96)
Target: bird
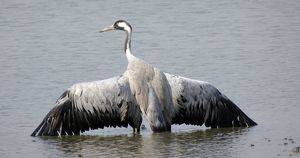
(163,98)
(148,84)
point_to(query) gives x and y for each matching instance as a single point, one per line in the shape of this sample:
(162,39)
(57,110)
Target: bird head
(118,25)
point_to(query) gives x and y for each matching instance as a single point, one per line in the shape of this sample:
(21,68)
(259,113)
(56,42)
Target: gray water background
(250,50)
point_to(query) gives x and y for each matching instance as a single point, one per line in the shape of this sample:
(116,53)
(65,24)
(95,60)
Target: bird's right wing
(92,105)
(198,102)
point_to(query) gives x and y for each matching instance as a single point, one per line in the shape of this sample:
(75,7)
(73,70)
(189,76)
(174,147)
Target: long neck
(127,46)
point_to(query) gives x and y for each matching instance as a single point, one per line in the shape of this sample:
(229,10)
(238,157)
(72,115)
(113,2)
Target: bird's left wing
(92,105)
(198,102)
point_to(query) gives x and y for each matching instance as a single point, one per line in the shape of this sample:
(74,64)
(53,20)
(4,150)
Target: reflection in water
(93,145)
(210,142)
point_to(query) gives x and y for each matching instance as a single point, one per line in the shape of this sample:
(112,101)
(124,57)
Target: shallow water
(248,50)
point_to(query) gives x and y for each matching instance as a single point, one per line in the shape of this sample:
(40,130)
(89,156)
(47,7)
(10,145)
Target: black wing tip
(38,129)
(33,134)
(251,123)
(45,128)
(243,120)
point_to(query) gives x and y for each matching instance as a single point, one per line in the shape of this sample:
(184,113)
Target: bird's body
(152,91)
(149,86)
(164,99)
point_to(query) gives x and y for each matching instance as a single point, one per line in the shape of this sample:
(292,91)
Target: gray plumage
(152,92)
(92,105)
(164,99)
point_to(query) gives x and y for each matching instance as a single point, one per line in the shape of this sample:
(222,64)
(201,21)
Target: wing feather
(92,105)
(198,103)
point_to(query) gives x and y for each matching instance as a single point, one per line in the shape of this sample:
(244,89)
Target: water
(249,50)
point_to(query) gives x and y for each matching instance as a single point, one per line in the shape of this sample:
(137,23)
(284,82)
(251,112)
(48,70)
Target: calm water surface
(249,50)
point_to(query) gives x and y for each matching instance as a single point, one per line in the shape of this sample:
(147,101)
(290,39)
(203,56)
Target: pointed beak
(110,28)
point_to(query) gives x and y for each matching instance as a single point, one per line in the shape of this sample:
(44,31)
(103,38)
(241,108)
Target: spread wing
(92,105)
(199,103)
